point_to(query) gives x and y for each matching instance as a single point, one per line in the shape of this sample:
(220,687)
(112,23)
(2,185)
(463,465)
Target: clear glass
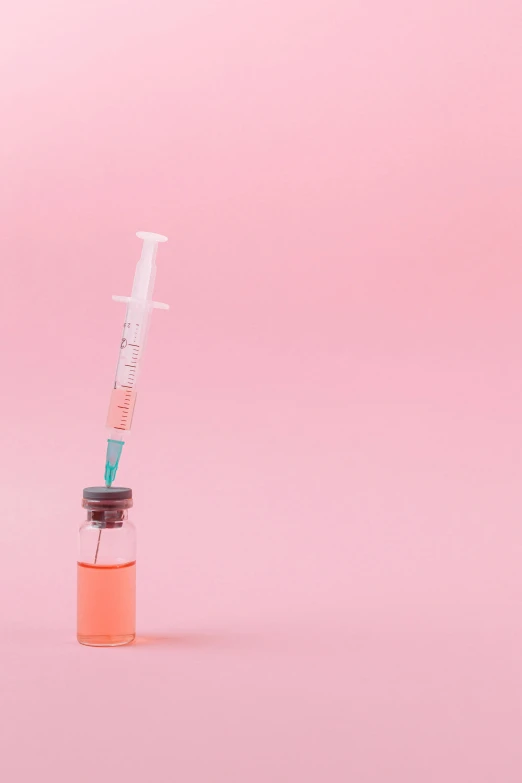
(107,575)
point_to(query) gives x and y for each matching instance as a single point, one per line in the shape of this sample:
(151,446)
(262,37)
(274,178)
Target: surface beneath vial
(268,701)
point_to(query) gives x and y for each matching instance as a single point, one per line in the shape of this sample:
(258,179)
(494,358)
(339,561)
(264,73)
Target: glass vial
(107,569)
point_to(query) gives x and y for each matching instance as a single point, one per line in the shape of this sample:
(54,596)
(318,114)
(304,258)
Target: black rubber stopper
(107,493)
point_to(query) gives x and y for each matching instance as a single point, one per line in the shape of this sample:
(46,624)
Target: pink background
(326,451)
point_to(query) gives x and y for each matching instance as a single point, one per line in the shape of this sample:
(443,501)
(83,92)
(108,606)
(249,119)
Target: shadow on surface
(193,640)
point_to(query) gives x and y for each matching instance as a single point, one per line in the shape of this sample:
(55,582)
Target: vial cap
(107,493)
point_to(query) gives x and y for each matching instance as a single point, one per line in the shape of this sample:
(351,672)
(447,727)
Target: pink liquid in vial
(106,604)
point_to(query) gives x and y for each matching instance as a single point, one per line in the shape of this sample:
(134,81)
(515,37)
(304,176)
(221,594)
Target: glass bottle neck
(113,517)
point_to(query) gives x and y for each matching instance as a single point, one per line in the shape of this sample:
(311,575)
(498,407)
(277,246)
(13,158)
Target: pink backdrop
(326,451)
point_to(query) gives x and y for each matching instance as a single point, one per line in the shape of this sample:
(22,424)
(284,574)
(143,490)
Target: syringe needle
(97,547)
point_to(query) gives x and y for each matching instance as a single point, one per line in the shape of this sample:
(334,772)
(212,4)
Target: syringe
(135,328)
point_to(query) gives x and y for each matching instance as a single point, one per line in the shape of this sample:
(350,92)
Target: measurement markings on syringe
(121,407)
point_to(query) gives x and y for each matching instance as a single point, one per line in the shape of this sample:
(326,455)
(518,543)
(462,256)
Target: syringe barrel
(132,347)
